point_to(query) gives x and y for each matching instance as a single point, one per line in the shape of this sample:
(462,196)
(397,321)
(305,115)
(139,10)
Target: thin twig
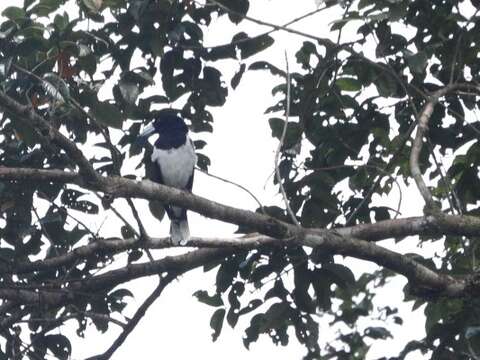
(79,222)
(120,216)
(144,237)
(453,200)
(242,40)
(274,26)
(379,169)
(385,170)
(454,60)
(234,184)
(279,149)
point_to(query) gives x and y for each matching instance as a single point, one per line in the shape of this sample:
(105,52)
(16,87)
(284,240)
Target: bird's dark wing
(190,181)
(155,174)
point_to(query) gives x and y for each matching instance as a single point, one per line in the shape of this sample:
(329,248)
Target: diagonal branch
(47,132)
(163,282)
(422,129)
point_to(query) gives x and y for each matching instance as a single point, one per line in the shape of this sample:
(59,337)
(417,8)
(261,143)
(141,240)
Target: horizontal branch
(126,188)
(41,298)
(349,241)
(122,187)
(177,265)
(113,246)
(382,230)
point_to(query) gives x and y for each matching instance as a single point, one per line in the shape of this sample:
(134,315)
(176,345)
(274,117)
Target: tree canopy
(395,102)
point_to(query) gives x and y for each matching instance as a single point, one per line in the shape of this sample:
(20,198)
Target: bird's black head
(171,128)
(169,124)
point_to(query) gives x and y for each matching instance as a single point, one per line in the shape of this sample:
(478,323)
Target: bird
(173,162)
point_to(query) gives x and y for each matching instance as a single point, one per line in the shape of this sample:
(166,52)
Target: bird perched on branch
(173,161)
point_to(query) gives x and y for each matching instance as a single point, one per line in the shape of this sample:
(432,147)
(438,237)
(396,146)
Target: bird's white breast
(176,165)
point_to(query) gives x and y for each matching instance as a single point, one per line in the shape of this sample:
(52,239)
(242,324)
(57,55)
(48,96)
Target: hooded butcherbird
(173,161)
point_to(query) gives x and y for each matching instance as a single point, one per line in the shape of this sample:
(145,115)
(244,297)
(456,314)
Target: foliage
(354,112)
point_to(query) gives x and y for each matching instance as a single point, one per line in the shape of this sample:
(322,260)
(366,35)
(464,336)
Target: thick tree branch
(122,187)
(423,279)
(40,298)
(113,246)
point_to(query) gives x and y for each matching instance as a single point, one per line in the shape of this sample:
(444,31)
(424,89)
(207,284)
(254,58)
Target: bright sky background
(241,149)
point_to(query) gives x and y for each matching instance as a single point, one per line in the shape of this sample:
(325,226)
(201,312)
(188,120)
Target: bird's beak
(143,137)
(149,130)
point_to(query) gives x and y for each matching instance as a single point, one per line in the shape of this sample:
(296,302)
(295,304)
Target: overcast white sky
(241,149)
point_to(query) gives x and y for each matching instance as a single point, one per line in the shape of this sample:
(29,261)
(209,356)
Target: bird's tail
(179,232)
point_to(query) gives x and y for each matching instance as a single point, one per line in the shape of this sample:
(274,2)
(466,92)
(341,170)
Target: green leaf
(203,161)
(199,144)
(377,332)
(129,91)
(261,272)
(225,275)
(157,209)
(88,63)
(45,7)
(312,214)
(134,255)
(59,345)
(107,114)
(61,21)
(251,46)
(238,76)
(24,131)
(293,134)
(417,63)
(14,13)
(239,9)
(263,65)
(127,232)
(386,85)
(56,87)
(93,5)
(348,84)
(340,274)
(204,297)
(252,305)
(121,293)
(216,323)
(302,280)
(70,198)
